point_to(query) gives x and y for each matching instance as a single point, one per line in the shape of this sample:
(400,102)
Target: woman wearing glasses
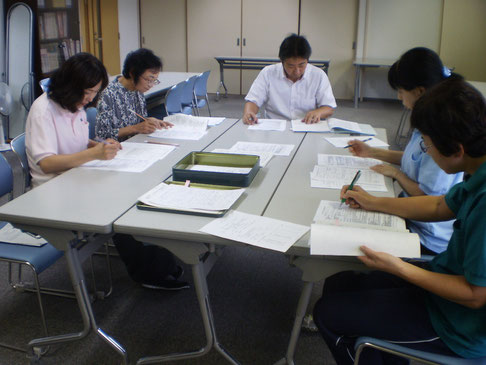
(124,97)
(416,71)
(152,266)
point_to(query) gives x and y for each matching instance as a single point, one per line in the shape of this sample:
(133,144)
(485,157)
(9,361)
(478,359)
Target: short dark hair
(452,113)
(294,46)
(137,62)
(80,72)
(418,67)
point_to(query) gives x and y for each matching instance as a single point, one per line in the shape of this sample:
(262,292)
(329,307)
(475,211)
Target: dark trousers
(145,263)
(374,304)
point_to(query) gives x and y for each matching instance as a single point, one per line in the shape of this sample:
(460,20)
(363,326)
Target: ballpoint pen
(364,140)
(350,187)
(164,143)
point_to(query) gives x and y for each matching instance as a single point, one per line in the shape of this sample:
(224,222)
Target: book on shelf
(58,3)
(340,230)
(49,57)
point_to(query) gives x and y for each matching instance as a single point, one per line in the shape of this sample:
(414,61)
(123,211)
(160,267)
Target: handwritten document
(255,230)
(342,142)
(269,125)
(133,157)
(183,197)
(184,127)
(265,157)
(256,147)
(321,127)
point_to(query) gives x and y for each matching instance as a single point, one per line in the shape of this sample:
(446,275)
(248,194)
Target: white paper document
(342,142)
(133,157)
(340,230)
(183,197)
(212,121)
(212,168)
(299,126)
(269,125)
(255,230)
(10,234)
(184,127)
(255,147)
(344,126)
(334,171)
(265,157)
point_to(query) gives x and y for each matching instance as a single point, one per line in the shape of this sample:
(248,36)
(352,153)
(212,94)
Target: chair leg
(207,103)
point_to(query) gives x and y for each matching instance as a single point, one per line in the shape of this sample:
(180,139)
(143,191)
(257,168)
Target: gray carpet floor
(253,294)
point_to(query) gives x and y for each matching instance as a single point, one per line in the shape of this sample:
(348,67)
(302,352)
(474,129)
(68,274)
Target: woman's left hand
(381,260)
(387,170)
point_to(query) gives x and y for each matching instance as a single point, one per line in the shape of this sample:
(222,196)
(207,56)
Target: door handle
(244,42)
(237,41)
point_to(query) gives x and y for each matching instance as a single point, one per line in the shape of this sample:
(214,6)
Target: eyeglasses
(151,81)
(424,147)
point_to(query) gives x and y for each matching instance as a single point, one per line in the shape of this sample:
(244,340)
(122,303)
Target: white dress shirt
(284,99)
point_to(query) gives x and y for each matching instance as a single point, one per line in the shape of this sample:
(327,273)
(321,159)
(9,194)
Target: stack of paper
(133,157)
(340,230)
(9,234)
(269,125)
(255,230)
(187,198)
(333,125)
(184,127)
(254,148)
(334,171)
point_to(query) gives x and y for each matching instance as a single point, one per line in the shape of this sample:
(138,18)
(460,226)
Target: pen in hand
(138,115)
(350,187)
(364,140)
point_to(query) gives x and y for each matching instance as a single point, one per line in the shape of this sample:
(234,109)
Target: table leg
(221,82)
(299,317)
(200,283)
(357,85)
(82,296)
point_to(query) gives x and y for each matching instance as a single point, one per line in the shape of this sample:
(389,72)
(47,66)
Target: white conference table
(295,191)
(361,64)
(180,233)
(75,212)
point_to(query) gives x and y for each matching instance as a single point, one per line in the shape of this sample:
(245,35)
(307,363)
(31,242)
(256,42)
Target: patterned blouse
(113,110)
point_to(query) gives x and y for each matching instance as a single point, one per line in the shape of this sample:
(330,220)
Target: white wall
(2,42)
(128,27)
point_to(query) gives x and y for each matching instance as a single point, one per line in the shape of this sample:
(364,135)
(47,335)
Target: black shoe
(166,285)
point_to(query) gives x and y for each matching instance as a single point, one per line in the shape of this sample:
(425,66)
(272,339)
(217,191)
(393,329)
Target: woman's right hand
(148,126)
(359,148)
(106,150)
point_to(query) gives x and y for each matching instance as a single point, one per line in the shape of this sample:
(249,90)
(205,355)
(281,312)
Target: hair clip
(446,71)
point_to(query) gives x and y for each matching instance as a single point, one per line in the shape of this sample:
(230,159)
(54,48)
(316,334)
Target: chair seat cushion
(39,257)
(201,103)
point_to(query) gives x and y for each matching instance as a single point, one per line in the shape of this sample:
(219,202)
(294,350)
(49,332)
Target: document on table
(255,230)
(10,234)
(334,171)
(342,142)
(212,121)
(186,197)
(133,157)
(299,126)
(184,127)
(264,156)
(340,230)
(269,125)
(213,168)
(256,147)
(334,177)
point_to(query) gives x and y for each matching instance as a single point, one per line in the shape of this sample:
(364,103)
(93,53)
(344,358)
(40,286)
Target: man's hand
(314,116)
(250,118)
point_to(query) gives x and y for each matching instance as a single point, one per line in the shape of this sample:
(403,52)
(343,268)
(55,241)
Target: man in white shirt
(292,89)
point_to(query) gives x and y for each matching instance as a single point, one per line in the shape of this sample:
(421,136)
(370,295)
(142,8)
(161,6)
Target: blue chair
(187,100)
(44,84)
(91,115)
(411,354)
(201,91)
(173,99)
(18,146)
(36,258)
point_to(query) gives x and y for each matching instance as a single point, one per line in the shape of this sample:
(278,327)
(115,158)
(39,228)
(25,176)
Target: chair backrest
(173,103)
(201,85)
(18,146)
(91,116)
(6,176)
(188,92)
(44,84)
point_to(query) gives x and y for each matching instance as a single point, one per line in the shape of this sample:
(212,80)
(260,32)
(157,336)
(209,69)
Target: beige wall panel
(109,32)
(330,28)
(463,43)
(213,29)
(163,29)
(265,25)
